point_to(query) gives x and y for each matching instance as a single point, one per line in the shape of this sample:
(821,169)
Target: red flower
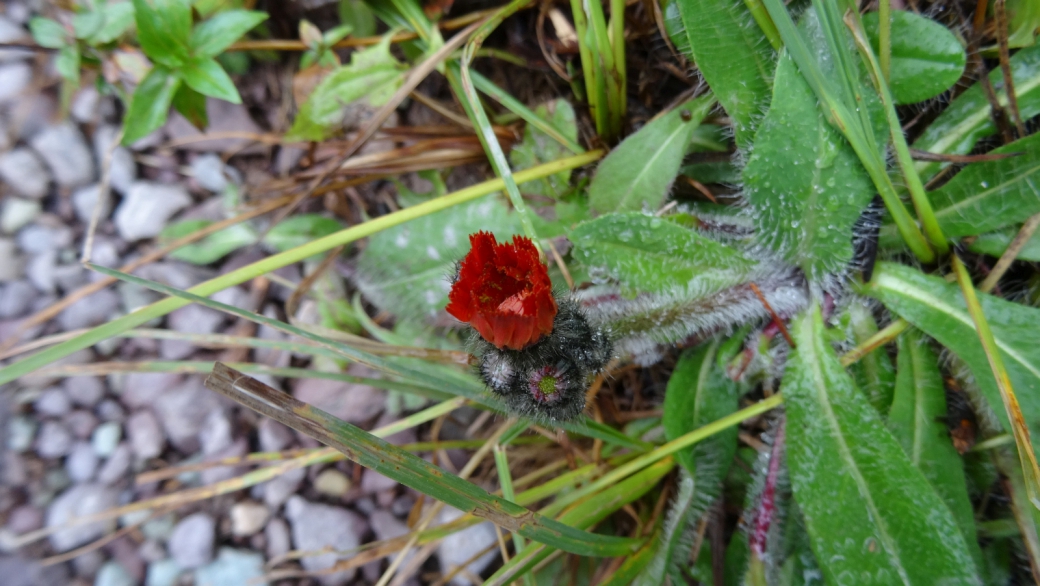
(504,292)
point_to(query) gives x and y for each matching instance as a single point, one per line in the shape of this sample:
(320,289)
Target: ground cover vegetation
(805,234)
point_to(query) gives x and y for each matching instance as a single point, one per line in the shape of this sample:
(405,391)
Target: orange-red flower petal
(503,291)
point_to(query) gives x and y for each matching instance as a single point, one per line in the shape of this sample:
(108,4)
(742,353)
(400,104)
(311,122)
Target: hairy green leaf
(163,29)
(370,79)
(918,422)
(967,119)
(211,248)
(938,309)
(638,173)
(149,104)
(926,58)
(648,254)
(215,34)
(806,194)
(871,515)
(405,269)
(672,543)
(207,77)
(733,55)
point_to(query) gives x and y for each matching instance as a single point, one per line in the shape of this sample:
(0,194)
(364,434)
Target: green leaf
(672,543)
(1023,22)
(119,17)
(67,63)
(299,230)
(337,34)
(211,248)
(967,119)
(192,105)
(404,270)
(698,393)
(649,254)
(806,194)
(871,515)
(995,243)
(918,422)
(87,24)
(357,14)
(926,58)
(638,173)
(991,195)
(149,104)
(938,309)
(48,33)
(163,29)
(874,373)
(212,36)
(734,57)
(538,147)
(371,78)
(207,77)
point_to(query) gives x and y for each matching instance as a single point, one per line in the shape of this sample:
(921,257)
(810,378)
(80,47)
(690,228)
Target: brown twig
(776,318)
(1005,66)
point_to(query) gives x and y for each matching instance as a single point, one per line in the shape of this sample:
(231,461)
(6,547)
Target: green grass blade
(411,470)
(517,107)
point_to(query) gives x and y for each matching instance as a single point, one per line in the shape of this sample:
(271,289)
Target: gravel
(273,436)
(84,391)
(145,434)
(79,501)
(82,462)
(248,518)
(53,441)
(147,207)
(183,411)
(83,201)
(113,574)
(81,423)
(14,78)
(458,547)
(350,402)
(23,171)
(315,526)
(191,544)
(232,568)
(116,466)
(190,319)
(66,153)
(53,402)
(90,311)
(17,301)
(278,538)
(16,297)
(18,213)
(106,437)
(123,169)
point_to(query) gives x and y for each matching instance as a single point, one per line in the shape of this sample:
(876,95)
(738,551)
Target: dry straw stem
(1016,246)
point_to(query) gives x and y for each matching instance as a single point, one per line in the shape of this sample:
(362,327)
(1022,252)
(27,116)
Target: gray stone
(316,526)
(16,297)
(223,117)
(278,541)
(113,574)
(190,319)
(142,389)
(81,423)
(350,402)
(81,463)
(109,410)
(53,441)
(52,402)
(208,170)
(66,153)
(373,482)
(237,449)
(122,168)
(162,573)
(145,435)
(146,208)
(85,198)
(90,311)
(88,564)
(22,170)
(11,31)
(116,466)
(14,78)
(191,544)
(183,411)
(232,568)
(106,437)
(84,106)
(80,501)
(18,213)
(41,271)
(16,302)
(458,547)
(278,490)
(247,518)
(40,238)
(151,551)
(24,519)
(85,391)
(386,526)
(273,436)
(332,482)
(216,433)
